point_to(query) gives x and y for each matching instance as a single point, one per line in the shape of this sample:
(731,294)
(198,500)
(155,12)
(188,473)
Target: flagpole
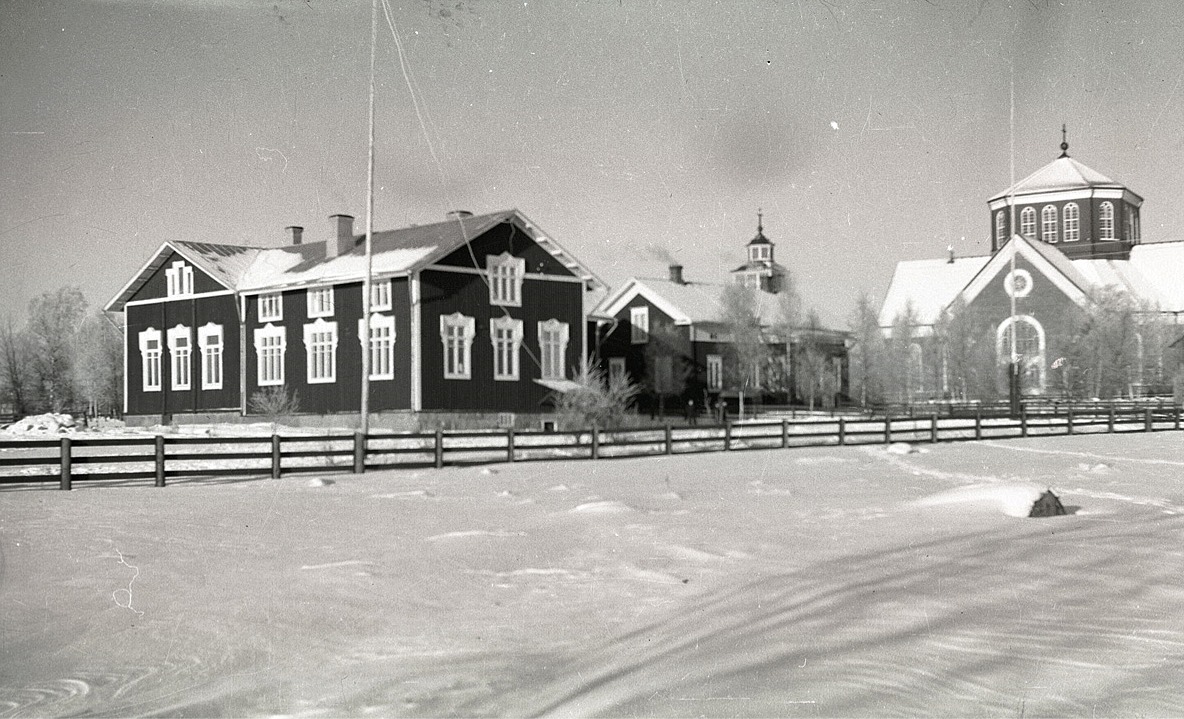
(366,280)
(1013,369)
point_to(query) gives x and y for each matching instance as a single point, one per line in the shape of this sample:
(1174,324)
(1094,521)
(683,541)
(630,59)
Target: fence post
(595,442)
(1147,424)
(160,460)
(933,428)
(727,435)
(1023,420)
(978,422)
(669,439)
(1176,425)
(784,433)
(887,429)
(1110,423)
(66,464)
(359,453)
(842,431)
(275,456)
(439,447)
(509,444)
(1069,419)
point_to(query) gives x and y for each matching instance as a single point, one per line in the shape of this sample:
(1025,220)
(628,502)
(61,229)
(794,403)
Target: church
(1065,240)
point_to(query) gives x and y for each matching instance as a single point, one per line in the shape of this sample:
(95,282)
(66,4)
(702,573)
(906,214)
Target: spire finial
(759,220)
(1064,141)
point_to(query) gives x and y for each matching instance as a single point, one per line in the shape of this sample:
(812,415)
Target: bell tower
(761,270)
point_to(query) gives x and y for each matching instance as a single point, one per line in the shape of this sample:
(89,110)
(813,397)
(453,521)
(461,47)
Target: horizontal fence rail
(78,458)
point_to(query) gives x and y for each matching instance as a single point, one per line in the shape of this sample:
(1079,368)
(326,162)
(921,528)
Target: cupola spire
(1064,141)
(760,228)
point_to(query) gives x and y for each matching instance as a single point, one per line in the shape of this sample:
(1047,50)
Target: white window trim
(1031,362)
(266,332)
(468,326)
(179,279)
(150,358)
(273,301)
(1000,227)
(1071,214)
(559,371)
(515,328)
(509,269)
(1106,221)
(715,372)
(180,380)
(381,288)
(380,322)
(639,325)
(320,326)
(210,340)
(1028,222)
(1049,224)
(318,309)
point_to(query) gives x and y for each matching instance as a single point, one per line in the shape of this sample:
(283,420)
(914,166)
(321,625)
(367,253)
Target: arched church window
(1000,228)
(1028,223)
(1048,223)
(1029,346)
(1106,221)
(1072,223)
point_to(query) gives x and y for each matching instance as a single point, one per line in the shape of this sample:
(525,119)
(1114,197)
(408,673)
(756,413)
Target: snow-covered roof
(1154,272)
(1063,173)
(930,285)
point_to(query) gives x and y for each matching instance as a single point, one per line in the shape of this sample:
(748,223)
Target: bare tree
(902,360)
(965,348)
(746,352)
(668,361)
(99,363)
(868,353)
(815,370)
(15,369)
(54,320)
(1104,349)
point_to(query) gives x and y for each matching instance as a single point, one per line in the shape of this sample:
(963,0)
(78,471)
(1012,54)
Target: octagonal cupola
(1084,213)
(761,271)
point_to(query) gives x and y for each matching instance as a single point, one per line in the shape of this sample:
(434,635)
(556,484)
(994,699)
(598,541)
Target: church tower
(761,271)
(1081,211)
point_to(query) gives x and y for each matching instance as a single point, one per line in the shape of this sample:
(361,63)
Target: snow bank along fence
(78,458)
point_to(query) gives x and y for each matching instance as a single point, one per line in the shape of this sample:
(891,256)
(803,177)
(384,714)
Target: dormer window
(505,279)
(179,279)
(320,302)
(760,253)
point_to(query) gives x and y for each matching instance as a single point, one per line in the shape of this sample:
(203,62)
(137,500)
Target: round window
(1018,283)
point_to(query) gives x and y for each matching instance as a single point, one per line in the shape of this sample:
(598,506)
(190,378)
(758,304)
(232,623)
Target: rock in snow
(1048,505)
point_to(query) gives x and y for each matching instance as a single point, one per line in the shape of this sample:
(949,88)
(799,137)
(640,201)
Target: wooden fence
(78,458)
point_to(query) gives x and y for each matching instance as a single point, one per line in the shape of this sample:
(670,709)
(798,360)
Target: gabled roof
(1063,173)
(1045,258)
(253,269)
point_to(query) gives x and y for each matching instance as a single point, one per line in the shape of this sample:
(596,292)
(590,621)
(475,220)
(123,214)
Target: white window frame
(456,335)
(380,295)
(1071,220)
(179,279)
(1028,222)
(505,334)
(1018,284)
(1032,364)
(320,302)
(553,337)
(759,253)
(320,352)
(1000,228)
(715,372)
(150,359)
(382,346)
(639,325)
(505,279)
(271,347)
(1106,221)
(1049,224)
(180,358)
(616,368)
(210,342)
(271,307)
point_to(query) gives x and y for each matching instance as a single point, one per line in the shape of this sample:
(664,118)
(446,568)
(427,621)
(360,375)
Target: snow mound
(1014,500)
(900,448)
(319,482)
(1099,468)
(602,507)
(49,423)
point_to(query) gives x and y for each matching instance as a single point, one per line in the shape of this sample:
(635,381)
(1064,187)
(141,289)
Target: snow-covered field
(846,581)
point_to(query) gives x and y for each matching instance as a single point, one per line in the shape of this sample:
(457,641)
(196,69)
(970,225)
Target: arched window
(1048,223)
(1106,221)
(1129,223)
(1072,223)
(1028,223)
(1000,228)
(1029,345)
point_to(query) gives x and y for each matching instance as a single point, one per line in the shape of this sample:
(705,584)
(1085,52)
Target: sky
(633,133)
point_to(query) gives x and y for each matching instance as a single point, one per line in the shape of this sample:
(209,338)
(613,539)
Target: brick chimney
(676,275)
(341,236)
(295,233)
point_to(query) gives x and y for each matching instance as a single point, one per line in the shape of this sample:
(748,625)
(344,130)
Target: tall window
(320,302)
(457,332)
(1048,223)
(1072,223)
(505,279)
(179,279)
(270,346)
(1029,345)
(506,335)
(715,372)
(1000,228)
(616,369)
(1128,216)
(639,321)
(180,357)
(209,340)
(1106,221)
(382,346)
(320,345)
(1028,223)
(553,338)
(150,351)
(271,307)
(380,295)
